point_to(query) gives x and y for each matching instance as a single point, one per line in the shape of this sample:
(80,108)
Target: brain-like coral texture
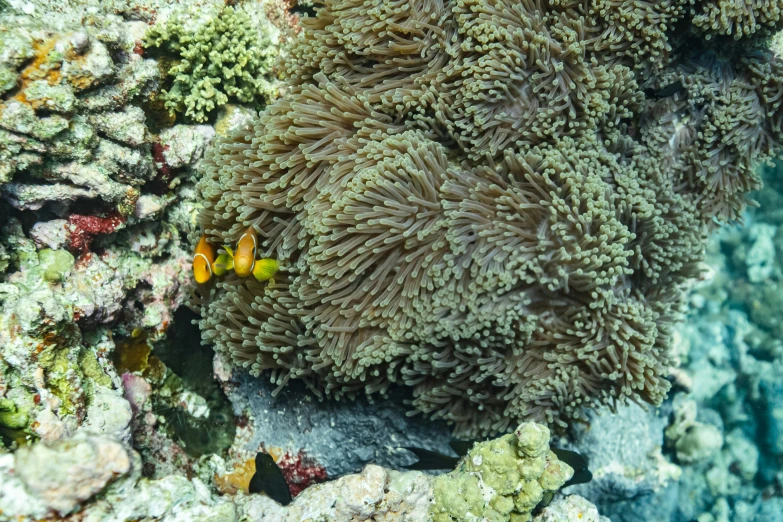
(496,203)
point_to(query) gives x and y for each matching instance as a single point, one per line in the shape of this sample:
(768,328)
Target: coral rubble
(501,479)
(499,204)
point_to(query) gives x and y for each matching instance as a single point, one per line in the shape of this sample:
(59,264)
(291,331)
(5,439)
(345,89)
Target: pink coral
(137,391)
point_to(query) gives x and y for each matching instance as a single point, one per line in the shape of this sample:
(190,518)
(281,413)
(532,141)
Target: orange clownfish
(245,255)
(202,261)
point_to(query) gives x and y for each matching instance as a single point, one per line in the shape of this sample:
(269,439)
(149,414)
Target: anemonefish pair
(242,260)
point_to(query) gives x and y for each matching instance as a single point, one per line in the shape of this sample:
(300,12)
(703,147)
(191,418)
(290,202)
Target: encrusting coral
(496,203)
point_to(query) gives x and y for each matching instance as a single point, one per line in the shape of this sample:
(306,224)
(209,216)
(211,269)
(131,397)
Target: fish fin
(265,269)
(583,476)
(461,447)
(430,460)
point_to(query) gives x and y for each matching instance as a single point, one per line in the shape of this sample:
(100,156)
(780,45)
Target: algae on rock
(66,133)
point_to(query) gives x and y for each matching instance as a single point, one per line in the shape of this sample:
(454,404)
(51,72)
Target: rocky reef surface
(712,451)
(111,409)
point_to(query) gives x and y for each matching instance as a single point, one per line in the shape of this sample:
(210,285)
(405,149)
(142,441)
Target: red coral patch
(300,471)
(83,229)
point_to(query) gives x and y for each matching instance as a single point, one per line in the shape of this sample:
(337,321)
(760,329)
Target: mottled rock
(624,452)
(700,442)
(50,234)
(96,291)
(374,494)
(572,508)
(68,472)
(17,117)
(138,77)
(108,414)
(148,205)
(126,126)
(184,144)
(58,98)
(92,67)
(760,257)
(15,500)
(173,498)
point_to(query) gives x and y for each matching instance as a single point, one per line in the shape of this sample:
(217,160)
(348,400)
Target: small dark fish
(429,460)
(268,479)
(462,447)
(665,92)
(582,475)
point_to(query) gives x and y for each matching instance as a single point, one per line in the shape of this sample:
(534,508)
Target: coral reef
(97,207)
(66,132)
(503,479)
(635,128)
(221,57)
(719,433)
(498,204)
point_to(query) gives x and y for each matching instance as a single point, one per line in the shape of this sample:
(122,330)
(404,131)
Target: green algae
(15,409)
(88,362)
(56,264)
(131,355)
(63,376)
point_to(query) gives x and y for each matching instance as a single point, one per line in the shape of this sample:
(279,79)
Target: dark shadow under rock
(342,436)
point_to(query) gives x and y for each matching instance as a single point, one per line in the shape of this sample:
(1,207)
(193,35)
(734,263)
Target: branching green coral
(227,59)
